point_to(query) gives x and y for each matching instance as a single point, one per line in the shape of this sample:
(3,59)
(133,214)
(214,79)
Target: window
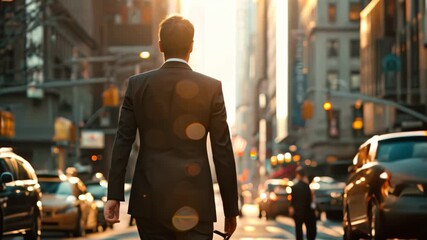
(355,81)
(333,48)
(332,12)
(22,172)
(354,11)
(355,48)
(332,80)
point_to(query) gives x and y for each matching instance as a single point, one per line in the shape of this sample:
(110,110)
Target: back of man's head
(176,36)
(300,171)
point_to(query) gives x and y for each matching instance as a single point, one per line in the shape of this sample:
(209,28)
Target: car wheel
(80,230)
(34,232)
(376,231)
(348,232)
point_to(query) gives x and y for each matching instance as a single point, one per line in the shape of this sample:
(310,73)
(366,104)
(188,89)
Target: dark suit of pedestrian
(173,109)
(303,213)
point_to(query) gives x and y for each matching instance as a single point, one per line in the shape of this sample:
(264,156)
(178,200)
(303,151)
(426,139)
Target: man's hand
(112,211)
(230,225)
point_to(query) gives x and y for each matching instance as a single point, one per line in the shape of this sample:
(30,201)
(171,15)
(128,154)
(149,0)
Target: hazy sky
(214,51)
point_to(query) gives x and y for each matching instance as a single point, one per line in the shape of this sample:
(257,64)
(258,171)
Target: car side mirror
(6,177)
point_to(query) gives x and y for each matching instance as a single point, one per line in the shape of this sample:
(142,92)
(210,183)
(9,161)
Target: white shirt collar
(176,60)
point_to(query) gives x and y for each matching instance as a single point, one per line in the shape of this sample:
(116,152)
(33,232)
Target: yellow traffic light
(307,110)
(7,124)
(110,96)
(357,123)
(327,105)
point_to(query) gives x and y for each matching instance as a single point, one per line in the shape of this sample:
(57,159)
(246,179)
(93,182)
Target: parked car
(275,198)
(20,205)
(328,196)
(67,205)
(385,196)
(99,191)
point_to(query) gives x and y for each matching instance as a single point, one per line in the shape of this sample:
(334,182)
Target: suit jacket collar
(175,64)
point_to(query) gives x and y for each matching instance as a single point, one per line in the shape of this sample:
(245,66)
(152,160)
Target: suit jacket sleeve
(125,137)
(223,156)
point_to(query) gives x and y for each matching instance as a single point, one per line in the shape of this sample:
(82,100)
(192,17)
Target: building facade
(331,64)
(63,66)
(393,56)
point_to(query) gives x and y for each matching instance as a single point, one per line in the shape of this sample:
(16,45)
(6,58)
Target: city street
(250,227)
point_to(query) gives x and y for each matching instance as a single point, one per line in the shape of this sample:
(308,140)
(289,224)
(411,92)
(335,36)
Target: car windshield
(58,188)
(392,150)
(97,190)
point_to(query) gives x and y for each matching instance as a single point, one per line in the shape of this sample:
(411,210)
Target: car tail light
(289,197)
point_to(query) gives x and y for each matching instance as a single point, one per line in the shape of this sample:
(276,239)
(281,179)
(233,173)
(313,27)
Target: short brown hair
(176,35)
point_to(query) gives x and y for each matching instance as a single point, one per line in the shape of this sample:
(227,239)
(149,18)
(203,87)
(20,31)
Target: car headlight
(99,203)
(335,195)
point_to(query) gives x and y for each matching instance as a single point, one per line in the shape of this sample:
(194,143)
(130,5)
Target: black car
(275,198)
(386,194)
(328,196)
(99,192)
(20,205)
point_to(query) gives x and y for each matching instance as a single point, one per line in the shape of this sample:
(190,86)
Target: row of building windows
(333,81)
(355,6)
(333,48)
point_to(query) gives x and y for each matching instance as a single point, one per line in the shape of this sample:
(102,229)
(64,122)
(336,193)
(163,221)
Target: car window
(58,188)
(97,190)
(13,166)
(392,150)
(363,155)
(3,166)
(22,172)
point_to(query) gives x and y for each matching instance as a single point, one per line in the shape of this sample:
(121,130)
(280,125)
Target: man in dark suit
(174,109)
(301,206)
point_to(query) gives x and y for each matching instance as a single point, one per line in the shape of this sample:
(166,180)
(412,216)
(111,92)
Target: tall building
(38,40)
(393,56)
(63,65)
(244,127)
(331,64)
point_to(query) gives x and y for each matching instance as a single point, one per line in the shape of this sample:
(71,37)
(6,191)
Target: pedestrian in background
(174,109)
(301,208)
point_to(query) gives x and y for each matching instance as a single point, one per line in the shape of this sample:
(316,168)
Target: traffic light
(357,124)
(7,124)
(253,154)
(110,96)
(307,110)
(327,105)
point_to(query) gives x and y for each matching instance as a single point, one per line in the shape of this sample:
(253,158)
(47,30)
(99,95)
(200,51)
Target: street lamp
(144,54)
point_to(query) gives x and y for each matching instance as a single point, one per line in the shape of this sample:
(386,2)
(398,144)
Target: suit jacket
(301,199)
(174,108)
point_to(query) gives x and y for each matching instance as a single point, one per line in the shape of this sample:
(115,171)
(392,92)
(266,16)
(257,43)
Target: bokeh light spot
(193,169)
(187,89)
(195,131)
(185,219)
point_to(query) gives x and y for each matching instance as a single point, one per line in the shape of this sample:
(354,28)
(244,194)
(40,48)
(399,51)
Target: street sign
(391,63)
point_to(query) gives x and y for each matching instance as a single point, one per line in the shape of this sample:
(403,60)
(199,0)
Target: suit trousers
(310,224)
(150,229)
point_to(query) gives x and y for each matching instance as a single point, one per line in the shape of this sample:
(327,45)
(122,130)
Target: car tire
(80,230)
(348,233)
(35,230)
(376,230)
